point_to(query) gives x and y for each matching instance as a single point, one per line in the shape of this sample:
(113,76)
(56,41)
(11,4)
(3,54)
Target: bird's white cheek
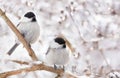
(24,19)
(54,45)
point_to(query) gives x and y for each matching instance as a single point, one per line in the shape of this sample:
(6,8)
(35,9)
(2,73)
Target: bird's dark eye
(29,15)
(60,40)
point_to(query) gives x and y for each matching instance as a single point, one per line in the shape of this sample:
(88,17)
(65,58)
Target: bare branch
(29,69)
(18,34)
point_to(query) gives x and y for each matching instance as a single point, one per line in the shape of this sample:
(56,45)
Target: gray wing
(48,51)
(18,24)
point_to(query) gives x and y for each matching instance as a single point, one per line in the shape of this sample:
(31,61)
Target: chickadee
(57,53)
(29,28)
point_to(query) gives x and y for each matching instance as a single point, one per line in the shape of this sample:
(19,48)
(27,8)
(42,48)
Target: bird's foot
(55,67)
(60,67)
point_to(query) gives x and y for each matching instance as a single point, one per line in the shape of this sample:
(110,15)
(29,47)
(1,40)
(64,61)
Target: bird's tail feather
(12,49)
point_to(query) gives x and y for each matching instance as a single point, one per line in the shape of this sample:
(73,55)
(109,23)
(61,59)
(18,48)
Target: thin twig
(18,34)
(29,69)
(76,25)
(20,62)
(101,51)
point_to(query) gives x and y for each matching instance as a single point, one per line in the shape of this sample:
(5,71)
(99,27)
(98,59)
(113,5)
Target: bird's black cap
(60,40)
(29,15)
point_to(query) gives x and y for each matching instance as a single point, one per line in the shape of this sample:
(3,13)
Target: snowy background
(91,26)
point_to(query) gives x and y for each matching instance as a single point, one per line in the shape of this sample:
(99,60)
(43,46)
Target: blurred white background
(91,26)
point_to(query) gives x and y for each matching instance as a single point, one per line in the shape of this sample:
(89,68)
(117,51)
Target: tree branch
(18,34)
(29,69)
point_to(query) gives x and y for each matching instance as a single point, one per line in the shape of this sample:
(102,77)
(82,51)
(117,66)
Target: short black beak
(33,19)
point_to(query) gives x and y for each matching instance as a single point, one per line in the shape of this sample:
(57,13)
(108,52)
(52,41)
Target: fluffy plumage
(57,53)
(29,28)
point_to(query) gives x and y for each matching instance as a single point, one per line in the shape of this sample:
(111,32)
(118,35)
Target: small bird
(29,29)
(57,53)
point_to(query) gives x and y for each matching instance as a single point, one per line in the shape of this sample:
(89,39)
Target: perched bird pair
(29,28)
